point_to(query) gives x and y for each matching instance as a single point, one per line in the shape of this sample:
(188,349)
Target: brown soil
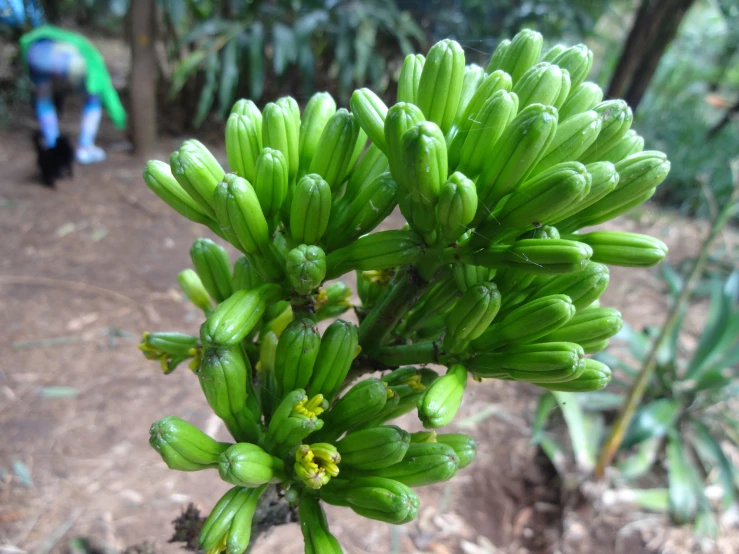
(86,268)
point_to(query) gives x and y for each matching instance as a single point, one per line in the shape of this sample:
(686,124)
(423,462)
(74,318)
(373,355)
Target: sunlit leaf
(710,451)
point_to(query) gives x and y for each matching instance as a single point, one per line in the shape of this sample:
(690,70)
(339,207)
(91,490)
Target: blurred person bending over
(57,58)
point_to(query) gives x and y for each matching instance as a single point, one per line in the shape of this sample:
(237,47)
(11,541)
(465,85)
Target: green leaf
(544,407)
(185,68)
(208,29)
(638,343)
(723,299)
(641,461)
(673,279)
(256,60)
(208,93)
(600,401)
(711,453)
(284,48)
(651,420)
(556,452)
(681,482)
(584,444)
(229,77)
(706,524)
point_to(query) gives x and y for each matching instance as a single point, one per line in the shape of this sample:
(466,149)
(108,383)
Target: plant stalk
(616,436)
(403,293)
(426,352)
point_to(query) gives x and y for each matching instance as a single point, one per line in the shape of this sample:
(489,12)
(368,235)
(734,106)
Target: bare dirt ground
(88,267)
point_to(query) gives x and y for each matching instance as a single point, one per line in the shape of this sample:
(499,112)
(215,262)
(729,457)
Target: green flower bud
(617,117)
(224,376)
(319,110)
(440,86)
(183,446)
(516,153)
(376,498)
(400,118)
(572,138)
(604,179)
(595,377)
(335,148)
(474,141)
(496,81)
(467,276)
(553,52)
(374,448)
(577,60)
(372,204)
(624,249)
(410,78)
(194,290)
(464,447)
(361,403)
(424,463)
(296,355)
(306,268)
(539,199)
(311,209)
(281,131)
(245,275)
(339,347)
(528,323)
(243,144)
(238,315)
(457,206)
(190,167)
(587,326)
(213,267)
(527,362)
(474,75)
(630,144)
(228,526)
(441,400)
(158,177)
(541,84)
(425,162)
(583,287)
(377,251)
(373,164)
(247,465)
(313,524)
(537,256)
(241,217)
(170,349)
(471,316)
(582,98)
(519,55)
(271,181)
(370,112)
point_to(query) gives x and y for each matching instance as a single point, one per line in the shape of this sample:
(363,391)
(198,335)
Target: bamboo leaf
(256,60)
(229,77)
(208,93)
(185,68)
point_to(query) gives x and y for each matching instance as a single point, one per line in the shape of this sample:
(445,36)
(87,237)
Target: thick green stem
(636,393)
(402,294)
(426,352)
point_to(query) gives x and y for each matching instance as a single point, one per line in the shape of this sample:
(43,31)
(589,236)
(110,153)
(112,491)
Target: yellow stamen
(310,407)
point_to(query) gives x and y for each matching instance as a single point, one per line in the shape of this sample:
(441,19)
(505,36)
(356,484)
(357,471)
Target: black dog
(54,162)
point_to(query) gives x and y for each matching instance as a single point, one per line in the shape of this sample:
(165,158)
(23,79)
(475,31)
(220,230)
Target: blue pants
(51,62)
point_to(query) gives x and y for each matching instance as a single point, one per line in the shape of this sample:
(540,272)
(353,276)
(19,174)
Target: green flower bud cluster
(495,171)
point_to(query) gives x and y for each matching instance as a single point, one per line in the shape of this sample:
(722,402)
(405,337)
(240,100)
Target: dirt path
(83,270)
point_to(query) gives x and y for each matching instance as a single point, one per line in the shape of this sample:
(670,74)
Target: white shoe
(89,154)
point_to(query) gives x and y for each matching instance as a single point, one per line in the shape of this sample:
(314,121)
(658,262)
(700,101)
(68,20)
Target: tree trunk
(143,76)
(655,26)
